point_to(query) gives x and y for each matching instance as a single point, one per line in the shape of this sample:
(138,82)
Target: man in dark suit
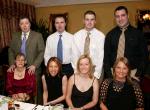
(33,48)
(134,50)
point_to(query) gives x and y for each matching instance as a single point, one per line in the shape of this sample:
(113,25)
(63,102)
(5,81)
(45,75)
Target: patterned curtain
(10,12)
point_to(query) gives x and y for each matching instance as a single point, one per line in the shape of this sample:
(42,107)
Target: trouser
(67,69)
(39,92)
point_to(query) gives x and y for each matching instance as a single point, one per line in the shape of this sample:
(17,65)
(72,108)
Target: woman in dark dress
(83,88)
(54,84)
(121,92)
(20,84)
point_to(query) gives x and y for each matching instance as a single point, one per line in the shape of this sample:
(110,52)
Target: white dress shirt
(27,35)
(96,48)
(51,47)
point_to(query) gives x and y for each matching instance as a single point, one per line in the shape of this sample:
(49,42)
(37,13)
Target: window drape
(10,12)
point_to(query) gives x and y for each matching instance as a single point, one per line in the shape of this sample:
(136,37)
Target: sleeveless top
(79,98)
(54,86)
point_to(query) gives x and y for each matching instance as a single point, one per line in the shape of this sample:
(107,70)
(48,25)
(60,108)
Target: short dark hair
(61,16)
(20,55)
(90,12)
(24,17)
(121,8)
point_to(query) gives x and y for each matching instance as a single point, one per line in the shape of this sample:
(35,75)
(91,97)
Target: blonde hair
(91,71)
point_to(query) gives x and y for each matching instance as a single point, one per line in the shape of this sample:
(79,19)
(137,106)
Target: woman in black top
(121,93)
(83,88)
(54,84)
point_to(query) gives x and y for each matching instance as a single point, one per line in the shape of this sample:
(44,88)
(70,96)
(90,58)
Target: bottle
(11,105)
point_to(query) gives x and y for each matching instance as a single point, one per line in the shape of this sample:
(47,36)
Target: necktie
(60,49)
(23,44)
(87,44)
(121,44)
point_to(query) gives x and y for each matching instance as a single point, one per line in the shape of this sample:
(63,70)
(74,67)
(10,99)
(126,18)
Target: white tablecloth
(23,106)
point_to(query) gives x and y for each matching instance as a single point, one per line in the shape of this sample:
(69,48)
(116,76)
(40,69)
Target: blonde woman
(83,88)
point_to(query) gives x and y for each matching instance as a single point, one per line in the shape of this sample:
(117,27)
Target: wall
(104,11)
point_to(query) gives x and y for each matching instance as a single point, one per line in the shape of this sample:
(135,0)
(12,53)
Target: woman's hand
(15,96)
(22,97)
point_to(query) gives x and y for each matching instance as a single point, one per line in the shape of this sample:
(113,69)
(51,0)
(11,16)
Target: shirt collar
(58,33)
(90,30)
(27,34)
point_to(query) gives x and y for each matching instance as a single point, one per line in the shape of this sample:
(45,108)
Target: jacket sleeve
(40,47)
(107,56)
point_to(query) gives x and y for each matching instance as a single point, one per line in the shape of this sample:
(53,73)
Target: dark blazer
(34,48)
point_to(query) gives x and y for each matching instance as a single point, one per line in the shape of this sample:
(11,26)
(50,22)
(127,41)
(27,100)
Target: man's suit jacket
(34,48)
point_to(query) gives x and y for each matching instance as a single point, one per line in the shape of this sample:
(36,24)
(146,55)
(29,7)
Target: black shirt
(54,86)
(135,49)
(129,96)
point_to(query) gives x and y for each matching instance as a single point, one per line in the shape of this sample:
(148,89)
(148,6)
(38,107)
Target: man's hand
(31,69)
(11,68)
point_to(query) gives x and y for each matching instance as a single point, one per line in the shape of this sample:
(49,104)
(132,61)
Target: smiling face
(121,71)
(60,24)
(121,18)
(25,25)
(84,66)
(89,21)
(53,68)
(20,61)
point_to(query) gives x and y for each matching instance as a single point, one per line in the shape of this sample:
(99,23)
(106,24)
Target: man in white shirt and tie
(94,39)
(60,44)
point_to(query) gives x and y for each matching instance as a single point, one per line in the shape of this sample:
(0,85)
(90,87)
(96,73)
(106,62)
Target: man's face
(24,25)
(89,21)
(60,24)
(121,18)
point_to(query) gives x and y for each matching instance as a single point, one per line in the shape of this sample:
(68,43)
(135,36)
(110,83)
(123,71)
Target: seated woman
(83,88)
(20,85)
(121,93)
(54,83)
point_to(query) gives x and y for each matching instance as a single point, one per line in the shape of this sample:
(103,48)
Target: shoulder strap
(93,81)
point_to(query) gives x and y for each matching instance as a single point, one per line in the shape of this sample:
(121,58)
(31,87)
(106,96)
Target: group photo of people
(86,70)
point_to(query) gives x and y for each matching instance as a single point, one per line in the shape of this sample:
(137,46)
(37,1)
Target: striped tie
(121,44)
(87,44)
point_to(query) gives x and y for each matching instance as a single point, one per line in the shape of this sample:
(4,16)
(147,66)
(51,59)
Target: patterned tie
(121,44)
(60,49)
(87,44)
(23,44)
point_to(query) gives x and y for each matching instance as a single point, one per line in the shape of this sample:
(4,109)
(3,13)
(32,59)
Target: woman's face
(20,61)
(121,71)
(53,68)
(84,66)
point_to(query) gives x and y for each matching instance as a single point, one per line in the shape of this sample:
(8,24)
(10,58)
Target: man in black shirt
(135,49)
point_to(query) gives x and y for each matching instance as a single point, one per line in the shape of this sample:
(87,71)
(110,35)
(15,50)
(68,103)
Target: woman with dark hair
(121,92)
(20,84)
(54,83)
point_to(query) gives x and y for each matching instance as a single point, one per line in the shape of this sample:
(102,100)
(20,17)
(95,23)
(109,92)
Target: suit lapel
(19,41)
(29,39)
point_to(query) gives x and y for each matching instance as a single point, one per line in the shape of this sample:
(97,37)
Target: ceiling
(45,3)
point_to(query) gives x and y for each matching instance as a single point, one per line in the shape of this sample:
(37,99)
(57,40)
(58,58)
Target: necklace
(117,86)
(20,73)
